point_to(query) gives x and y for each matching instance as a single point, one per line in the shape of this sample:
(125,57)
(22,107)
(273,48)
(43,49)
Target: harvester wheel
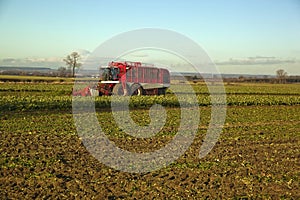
(118,89)
(161,91)
(136,90)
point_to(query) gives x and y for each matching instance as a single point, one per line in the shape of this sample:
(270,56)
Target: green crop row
(16,96)
(20,103)
(65,102)
(263,89)
(5,88)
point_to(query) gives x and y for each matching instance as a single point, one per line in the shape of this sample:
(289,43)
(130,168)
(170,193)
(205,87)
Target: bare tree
(281,75)
(72,62)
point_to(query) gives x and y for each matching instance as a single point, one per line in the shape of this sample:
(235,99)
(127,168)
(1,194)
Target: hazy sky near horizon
(251,36)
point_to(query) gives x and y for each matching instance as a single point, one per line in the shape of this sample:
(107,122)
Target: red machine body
(130,78)
(133,78)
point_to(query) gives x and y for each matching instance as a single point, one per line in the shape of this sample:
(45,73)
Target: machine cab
(109,73)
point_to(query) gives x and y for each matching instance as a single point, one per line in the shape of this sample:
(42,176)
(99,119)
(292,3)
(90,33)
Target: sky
(250,36)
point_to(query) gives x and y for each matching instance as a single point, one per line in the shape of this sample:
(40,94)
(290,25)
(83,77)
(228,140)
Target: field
(257,154)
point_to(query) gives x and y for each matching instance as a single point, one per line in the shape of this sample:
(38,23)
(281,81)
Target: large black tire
(162,91)
(136,90)
(118,89)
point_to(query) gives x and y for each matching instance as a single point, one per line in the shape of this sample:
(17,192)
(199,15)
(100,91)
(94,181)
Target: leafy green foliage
(16,96)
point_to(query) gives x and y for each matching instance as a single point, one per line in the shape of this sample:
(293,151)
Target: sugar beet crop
(257,155)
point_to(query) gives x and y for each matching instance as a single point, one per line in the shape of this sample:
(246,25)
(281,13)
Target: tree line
(72,62)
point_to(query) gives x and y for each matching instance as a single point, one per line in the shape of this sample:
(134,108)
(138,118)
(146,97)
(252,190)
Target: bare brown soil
(44,158)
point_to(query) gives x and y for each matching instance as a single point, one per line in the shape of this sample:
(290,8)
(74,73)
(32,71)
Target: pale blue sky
(46,31)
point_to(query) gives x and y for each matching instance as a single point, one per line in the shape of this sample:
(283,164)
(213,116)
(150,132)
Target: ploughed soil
(43,157)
